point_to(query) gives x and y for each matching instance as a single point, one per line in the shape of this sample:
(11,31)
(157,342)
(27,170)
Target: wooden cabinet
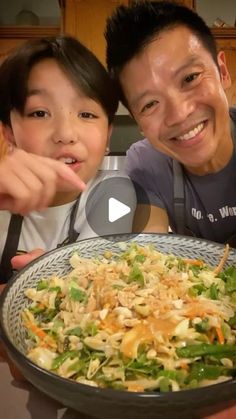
(11,36)
(225,39)
(86,19)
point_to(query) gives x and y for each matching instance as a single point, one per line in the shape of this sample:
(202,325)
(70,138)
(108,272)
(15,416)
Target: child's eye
(38,114)
(149,105)
(191,77)
(87,115)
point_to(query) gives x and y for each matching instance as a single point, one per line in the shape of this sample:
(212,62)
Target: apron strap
(73,234)
(13,237)
(179,195)
(12,240)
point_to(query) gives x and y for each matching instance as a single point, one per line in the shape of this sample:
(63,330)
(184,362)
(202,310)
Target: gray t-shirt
(210,200)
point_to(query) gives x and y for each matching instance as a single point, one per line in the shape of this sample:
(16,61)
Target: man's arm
(157,221)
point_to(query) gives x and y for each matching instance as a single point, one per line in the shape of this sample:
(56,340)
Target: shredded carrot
(37,331)
(184,365)
(220,335)
(194,262)
(47,340)
(211,336)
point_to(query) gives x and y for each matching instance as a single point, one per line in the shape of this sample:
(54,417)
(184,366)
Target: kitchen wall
(211,9)
(125,133)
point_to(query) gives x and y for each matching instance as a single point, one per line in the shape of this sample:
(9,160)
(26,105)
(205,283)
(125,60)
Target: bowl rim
(116,238)
(107,392)
(121,395)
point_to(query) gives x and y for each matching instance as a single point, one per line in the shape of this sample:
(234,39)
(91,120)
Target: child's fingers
(29,182)
(20,261)
(61,170)
(65,173)
(20,192)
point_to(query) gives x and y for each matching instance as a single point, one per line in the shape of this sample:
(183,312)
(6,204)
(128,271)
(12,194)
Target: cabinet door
(86,19)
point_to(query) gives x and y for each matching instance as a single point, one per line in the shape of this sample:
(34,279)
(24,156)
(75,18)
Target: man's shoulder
(143,155)
(142,146)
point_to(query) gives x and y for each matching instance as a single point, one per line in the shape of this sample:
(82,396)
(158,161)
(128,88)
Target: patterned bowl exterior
(122,404)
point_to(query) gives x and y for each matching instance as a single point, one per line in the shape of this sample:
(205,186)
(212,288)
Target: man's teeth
(191,133)
(67,160)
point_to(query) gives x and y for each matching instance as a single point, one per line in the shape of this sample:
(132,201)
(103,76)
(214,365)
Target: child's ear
(9,136)
(224,72)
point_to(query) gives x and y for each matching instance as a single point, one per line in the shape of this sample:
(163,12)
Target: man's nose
(178,109)
(65,131)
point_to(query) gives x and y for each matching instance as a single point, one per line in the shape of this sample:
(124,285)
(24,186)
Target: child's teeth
(67,160)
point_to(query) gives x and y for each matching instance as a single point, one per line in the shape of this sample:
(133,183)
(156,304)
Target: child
(57,105)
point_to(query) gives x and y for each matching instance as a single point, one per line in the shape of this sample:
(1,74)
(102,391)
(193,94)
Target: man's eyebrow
(193,60)
(139,97)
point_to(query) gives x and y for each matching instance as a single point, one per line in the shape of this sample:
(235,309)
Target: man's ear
(8,135)
(224,72)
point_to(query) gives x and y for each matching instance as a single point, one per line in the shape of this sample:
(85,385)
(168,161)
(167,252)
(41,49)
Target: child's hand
(29,182)
(20,261)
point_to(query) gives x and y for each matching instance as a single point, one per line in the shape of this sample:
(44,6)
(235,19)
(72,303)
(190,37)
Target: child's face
(60,122)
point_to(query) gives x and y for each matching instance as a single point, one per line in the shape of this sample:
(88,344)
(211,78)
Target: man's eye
(87,115)
(149,105)
(38,114)
(191,77)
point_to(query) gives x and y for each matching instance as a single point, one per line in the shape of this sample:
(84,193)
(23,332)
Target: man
(164,61)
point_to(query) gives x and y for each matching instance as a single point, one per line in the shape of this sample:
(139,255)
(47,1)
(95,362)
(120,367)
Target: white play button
(110,207)
(116,210)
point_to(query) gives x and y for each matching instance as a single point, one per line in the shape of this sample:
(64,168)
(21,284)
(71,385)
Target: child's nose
(65,132)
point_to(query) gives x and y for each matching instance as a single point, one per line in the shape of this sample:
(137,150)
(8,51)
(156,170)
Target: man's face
(176,94)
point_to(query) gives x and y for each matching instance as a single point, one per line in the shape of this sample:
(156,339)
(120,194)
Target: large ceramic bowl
(106,403)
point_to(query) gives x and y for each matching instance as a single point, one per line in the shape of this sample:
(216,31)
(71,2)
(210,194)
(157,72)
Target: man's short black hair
(132,27)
